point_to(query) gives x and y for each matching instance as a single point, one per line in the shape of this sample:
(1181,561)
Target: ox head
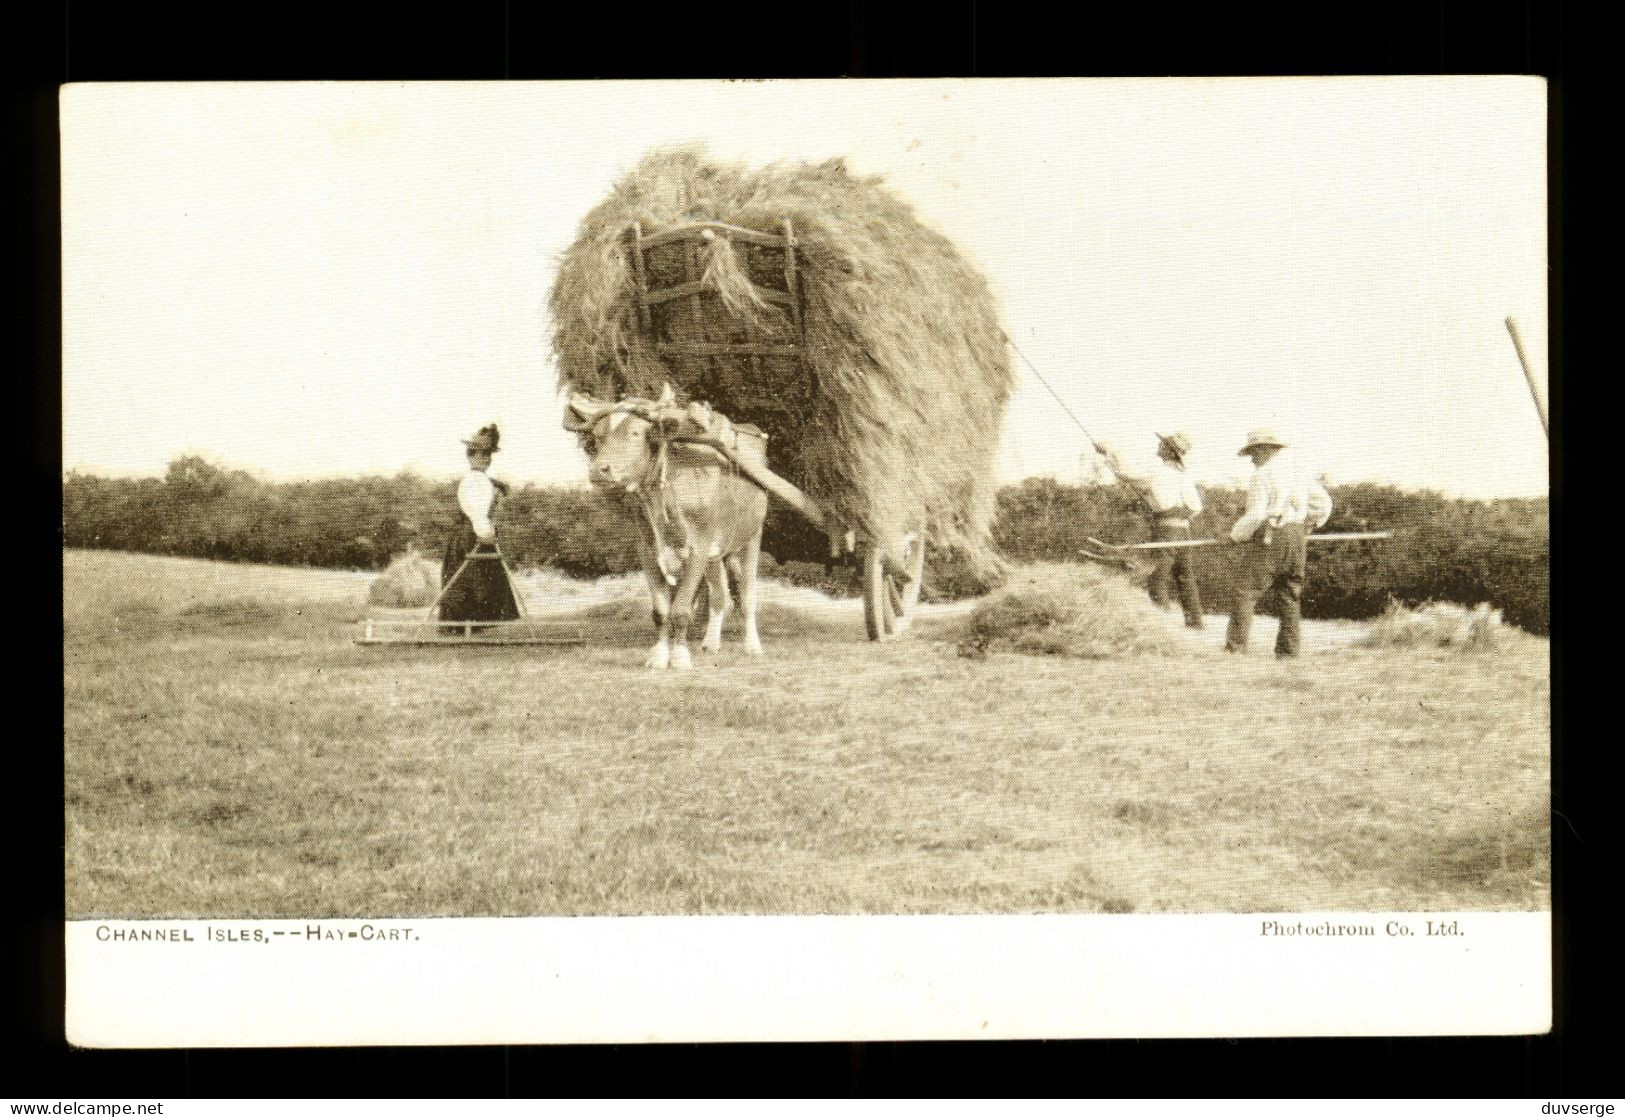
(619,438)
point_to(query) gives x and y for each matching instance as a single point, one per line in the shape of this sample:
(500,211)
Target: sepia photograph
(847,544)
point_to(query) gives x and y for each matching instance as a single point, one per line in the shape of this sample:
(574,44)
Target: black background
(490,39)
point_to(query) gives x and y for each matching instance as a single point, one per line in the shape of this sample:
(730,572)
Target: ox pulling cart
(892,571)
(811,307)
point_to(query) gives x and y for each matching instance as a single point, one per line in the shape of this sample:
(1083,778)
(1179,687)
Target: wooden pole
(1179,544)
(763,478)
(790,282)
(428,614)
(1534,392)
(639,277)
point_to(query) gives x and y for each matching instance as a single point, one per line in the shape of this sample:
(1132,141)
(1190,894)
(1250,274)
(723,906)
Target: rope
(1052,391)
(1145,497)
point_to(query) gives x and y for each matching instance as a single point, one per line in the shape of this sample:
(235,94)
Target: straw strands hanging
(892,419)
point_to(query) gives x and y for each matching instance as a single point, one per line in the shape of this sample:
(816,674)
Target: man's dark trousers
(1272,563)
(1174,565)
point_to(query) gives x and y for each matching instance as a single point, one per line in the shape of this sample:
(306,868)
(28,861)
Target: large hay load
(814,304)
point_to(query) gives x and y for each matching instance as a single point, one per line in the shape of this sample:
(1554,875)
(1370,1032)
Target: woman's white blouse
(475,495)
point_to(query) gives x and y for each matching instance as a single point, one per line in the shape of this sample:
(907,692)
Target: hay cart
(814,305)
(679,318)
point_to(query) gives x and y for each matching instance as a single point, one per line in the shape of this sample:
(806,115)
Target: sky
(313,279)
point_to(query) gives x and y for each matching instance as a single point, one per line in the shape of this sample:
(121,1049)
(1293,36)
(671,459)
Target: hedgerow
(1443,549)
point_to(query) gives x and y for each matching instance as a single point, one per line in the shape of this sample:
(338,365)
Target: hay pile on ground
(894,418)
(1060,609)
(1435,625)
(410,581)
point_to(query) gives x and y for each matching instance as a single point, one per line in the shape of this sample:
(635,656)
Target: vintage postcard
(838,560)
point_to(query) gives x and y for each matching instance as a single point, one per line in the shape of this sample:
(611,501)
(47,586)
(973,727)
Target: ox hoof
(754,648)
(680,659)
(659,659)
(710,645)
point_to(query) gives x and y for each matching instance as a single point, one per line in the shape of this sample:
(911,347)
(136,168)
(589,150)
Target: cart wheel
(889,598)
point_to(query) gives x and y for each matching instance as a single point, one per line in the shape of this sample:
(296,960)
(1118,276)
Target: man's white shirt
(1167,487)
(1281,493)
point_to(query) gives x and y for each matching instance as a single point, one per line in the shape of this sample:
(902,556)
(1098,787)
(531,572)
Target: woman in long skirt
(474,588)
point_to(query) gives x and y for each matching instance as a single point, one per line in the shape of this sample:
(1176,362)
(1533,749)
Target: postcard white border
(225,983)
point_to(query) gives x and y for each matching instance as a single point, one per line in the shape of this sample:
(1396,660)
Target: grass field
(231,752)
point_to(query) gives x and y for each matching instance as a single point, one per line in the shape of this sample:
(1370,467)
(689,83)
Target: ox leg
(716,580)
(682,607)
(660,601)
(660,607)
(749,593)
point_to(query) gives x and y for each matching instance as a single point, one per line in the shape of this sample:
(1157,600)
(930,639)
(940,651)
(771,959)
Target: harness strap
(662,459)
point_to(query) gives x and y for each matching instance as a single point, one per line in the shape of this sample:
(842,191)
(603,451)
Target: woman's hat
(1260,436)
(485,439)
(1179,442)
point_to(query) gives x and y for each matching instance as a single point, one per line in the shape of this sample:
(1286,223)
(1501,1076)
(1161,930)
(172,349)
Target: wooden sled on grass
(430,631)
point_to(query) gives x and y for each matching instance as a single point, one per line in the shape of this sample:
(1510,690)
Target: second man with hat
(1283,505)
(1173,501)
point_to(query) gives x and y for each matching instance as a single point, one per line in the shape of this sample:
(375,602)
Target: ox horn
(582,412)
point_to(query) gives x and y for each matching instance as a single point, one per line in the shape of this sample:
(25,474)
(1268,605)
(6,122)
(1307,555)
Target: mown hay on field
(1509,847)
(893,418)
(410,581)
(1436,625)
(1068,610)
(233,612)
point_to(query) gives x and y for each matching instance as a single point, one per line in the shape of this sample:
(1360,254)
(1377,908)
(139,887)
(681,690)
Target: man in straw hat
(1283,505)
(1173,500)
(476,589)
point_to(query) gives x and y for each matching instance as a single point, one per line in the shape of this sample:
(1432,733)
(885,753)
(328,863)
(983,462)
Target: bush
(840,580)
(1443,549)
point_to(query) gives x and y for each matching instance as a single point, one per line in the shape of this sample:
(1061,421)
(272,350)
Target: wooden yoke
(699,426)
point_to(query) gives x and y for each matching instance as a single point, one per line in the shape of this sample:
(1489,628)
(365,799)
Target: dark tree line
(1443,550)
